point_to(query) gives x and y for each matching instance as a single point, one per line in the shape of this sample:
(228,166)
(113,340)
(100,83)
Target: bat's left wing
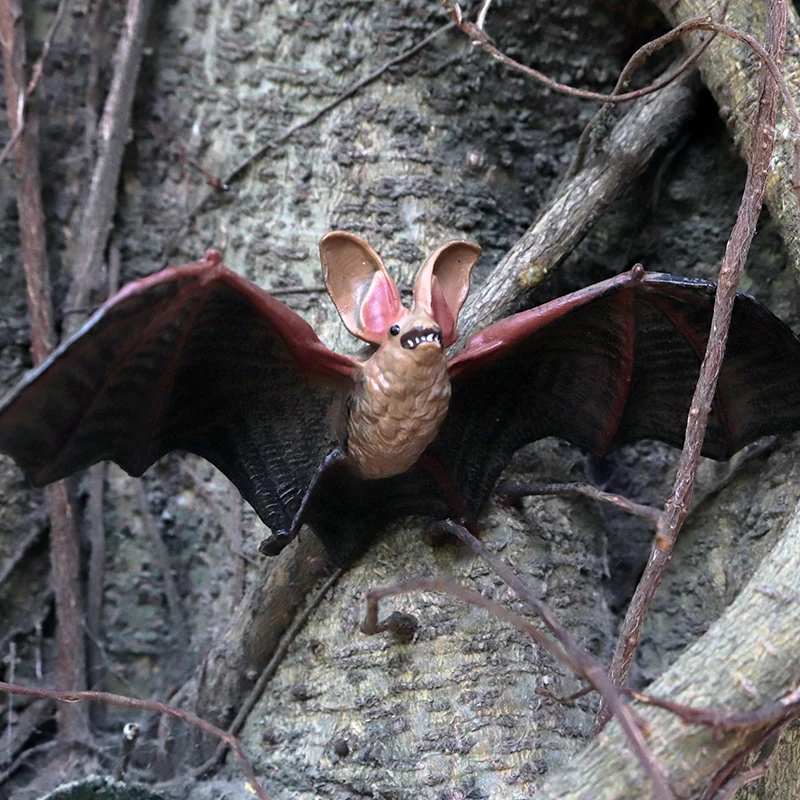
(611,364)
(192,358)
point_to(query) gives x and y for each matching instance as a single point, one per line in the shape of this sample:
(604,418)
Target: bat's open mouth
(418,336)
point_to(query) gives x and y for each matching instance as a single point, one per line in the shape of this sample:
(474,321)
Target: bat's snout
(421,336)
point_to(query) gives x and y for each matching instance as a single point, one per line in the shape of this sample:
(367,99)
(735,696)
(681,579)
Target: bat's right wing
(611,364)
(192,358)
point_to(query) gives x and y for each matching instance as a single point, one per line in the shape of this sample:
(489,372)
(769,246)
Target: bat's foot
(275,542)
(436,534)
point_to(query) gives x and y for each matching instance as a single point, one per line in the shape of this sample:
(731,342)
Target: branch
(64,539)
(580,201)
(748,658)
(735,84)
(112,138)
(677,505)
(148,705)
(510,492)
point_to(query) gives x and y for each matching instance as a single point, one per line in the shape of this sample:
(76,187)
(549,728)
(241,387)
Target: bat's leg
(458,510)
(277,540)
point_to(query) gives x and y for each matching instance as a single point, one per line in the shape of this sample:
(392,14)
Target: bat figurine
(196,358)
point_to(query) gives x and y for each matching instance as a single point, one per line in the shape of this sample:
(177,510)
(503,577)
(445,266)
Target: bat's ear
(442,284)
(359,285)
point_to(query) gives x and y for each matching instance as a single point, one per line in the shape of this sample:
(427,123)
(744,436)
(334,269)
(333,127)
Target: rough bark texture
(731,70)
(350,711)
(233,663)
(749,657)
(625,155)
(445,145)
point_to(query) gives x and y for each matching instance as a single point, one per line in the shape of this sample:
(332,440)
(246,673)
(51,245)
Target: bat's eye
(394,330)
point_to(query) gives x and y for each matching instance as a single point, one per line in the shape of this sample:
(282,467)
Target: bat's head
(368,301)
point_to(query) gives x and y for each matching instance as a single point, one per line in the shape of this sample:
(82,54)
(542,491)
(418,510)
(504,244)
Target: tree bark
(731,70)
(750,657)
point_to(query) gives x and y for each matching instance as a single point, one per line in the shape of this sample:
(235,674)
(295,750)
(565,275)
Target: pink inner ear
(380,306)
(442,313)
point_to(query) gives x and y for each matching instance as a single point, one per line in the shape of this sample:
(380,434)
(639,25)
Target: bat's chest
(397,412)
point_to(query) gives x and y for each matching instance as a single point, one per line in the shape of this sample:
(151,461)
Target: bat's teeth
(416,337)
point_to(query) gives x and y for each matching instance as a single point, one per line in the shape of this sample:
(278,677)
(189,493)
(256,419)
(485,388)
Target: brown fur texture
(400,405)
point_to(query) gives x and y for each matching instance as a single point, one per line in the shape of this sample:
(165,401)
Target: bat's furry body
(397,408)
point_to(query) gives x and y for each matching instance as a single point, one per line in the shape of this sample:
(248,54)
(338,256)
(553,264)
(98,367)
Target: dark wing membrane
(612,364)
(193,358)
(345,510)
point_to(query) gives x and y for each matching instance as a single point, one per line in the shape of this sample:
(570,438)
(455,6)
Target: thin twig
(64,538)
(10,144)
(114,266)
(766,753)
(95,580)
(587,666)
(176,617)
(782,710)
(351,90)
(269,670)
(634,62)
(484,10)
(146,705)
(370,625)
(92,97)
(112,138)
(677,504)
(36,74)
(38,67)
(516,491)
(97,531)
